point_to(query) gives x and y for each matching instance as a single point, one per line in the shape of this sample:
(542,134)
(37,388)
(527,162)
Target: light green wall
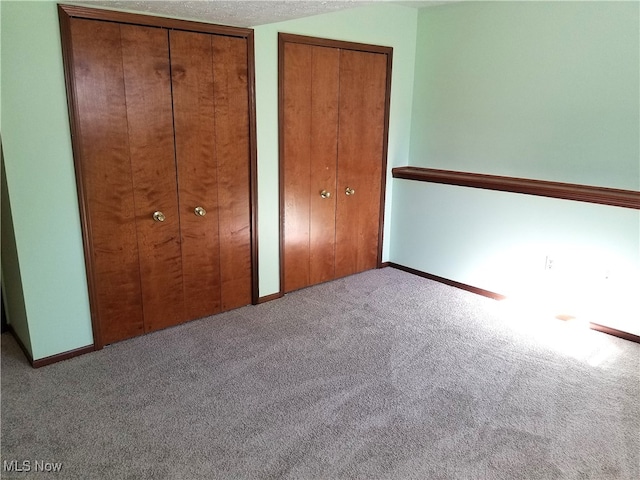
(39,163)
(387,25)
(531,89)
(12,291)
(41,182)
(499,242)
(546,90)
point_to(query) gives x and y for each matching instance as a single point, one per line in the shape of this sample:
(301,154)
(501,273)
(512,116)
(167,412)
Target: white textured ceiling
(241,13)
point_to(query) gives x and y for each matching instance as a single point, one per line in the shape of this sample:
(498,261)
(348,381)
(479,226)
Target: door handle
(159,216)
(199,211)
(325,194)
(349,191)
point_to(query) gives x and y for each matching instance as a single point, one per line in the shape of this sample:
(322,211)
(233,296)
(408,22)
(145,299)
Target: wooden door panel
(325,75)
(296,167)
(105,168)
(145,60)
(121,91)
(231,99)
(193,106)
(360,160)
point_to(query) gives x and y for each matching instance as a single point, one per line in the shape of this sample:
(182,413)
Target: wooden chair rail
(568,191)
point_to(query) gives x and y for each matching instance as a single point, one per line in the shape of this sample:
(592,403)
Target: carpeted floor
(382,375)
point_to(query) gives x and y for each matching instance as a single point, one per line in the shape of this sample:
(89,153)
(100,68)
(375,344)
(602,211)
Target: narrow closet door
(233,151)
(145,60)
(193,103)
(325,63)
(123,91)
(360,160)
(310,123)
(105,176)
(211,110)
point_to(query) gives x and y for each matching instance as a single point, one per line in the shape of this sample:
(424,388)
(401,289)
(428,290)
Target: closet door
(334,106)
(191,58)
(233,150)
(211,110)
(123,114)
(360,152)
(162,121)
(145,58)
(310,123)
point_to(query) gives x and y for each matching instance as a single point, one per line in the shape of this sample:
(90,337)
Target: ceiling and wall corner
(245,13)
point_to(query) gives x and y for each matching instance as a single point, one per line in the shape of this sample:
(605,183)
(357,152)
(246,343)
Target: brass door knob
(159,216)
(349,191)
(199,211)
(325,194)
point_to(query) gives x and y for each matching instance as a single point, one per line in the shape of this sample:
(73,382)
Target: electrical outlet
(548,263)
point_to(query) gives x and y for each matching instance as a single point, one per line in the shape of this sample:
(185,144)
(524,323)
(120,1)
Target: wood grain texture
(120,106)
(233,152)
(145,53)
(567,191)
(325,80)
(295,165)
(363,78)
(103,157)
(333,112)
(77,11)
(194,121)
(311,79)
(331,43)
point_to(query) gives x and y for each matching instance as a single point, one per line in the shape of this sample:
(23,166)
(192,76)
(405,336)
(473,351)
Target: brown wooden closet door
(105,168)
(310,123)
(360,159)
(162,120)
(325,75)
(145,59)
(193,102)
(124,113)
(233,151)
(295,166)
(211,110)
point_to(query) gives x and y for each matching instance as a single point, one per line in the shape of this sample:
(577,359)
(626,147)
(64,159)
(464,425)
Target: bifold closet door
(360,150)
(333,131)
(123,111)
(310,123)
(211,111)
(162,121)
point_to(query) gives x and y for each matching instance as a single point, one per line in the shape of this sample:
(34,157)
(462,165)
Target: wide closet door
(163,159)
(334,110)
